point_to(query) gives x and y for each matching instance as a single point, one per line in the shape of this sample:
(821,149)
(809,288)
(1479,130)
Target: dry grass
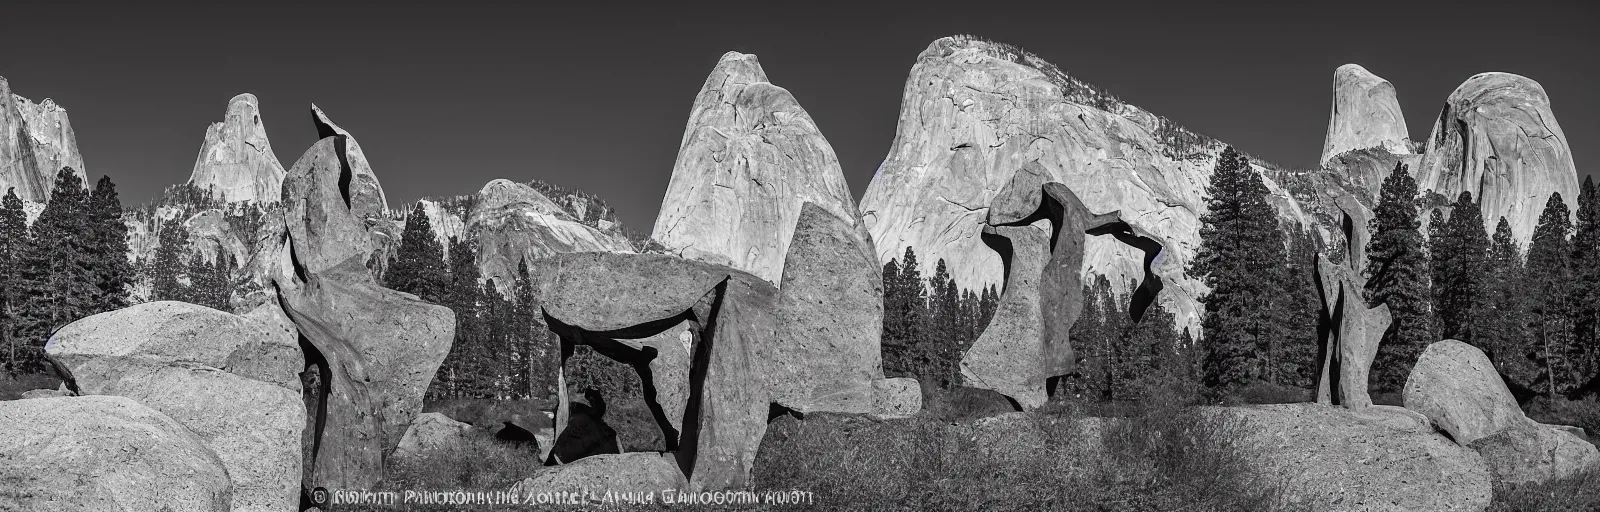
(1580,493)
(483,464)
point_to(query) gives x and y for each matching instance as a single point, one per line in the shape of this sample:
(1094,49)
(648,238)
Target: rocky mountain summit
(750,157)
(1366,114)
(36,141)
(236,159)
(1497,138)
(975,111)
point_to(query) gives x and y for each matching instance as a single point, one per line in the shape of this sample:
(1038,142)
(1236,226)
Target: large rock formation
(104,453)
(375,349)
(1457,388)
(1365,114)
(1498,139)
(431,432)
(236,160)
(830,316)
(1009,357)
(749,158)
(598,298)
(36,141)
(974,112)
(231,380)
(1348,331)
(1332,458)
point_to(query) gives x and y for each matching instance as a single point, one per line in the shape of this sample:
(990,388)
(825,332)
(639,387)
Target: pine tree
(169,269)
(540,348)
(1550,272)
(1458,258)
(1503,330)
(418,267)
(470,369)
(1240,259)
(1397,275)
(1298,362)
(113,272)
(1585,294)
(13,243)
(58,264)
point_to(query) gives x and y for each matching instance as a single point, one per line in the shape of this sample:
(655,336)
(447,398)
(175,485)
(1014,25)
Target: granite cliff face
(236,160)
(1366,114)
(512,221)
(36,141)
(1497,138)
(750,157)
(974,112)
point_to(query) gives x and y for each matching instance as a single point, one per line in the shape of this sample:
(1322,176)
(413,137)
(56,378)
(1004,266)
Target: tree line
(1535,314)
(72,262)
(928,323)
(500,349)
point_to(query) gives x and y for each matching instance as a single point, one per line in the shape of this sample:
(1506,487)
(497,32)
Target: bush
(1575,494)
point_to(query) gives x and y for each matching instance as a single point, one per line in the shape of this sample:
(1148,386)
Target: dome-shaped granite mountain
(974,112)
(1366,114)
(750,157)
(236,159)
(36,141)
(1498,139)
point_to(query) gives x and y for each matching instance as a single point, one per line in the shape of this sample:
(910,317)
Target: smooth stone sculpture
(1007,358)
(1349,331)
(374,349)
(830,319)
(602,299)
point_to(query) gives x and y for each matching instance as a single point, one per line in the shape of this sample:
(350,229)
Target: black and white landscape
(1044,297)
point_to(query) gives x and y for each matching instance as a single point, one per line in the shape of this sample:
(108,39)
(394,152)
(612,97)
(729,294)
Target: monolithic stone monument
(1039,226)
(1348,330)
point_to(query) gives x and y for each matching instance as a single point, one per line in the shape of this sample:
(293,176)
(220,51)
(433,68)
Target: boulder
(974,112)
(36,141)
(1535,454)
(1366,114)
(634,473)
(224,377)
(432,431)
(830,323)
(1333,458)
(236,160)
(98,349)
(104,453)
(749,158)
(1005,356)
(1498,138)
(375,350)
(1455,385)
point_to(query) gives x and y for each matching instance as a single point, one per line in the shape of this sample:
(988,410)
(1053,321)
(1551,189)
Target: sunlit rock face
(36,141)
(750,157)
(1366,114)
(236,161)
(974,112)
(1497,138)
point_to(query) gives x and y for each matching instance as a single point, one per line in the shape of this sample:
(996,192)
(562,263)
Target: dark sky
(595,97)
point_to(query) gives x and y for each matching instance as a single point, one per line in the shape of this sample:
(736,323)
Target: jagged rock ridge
(36,141)
(749,158)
